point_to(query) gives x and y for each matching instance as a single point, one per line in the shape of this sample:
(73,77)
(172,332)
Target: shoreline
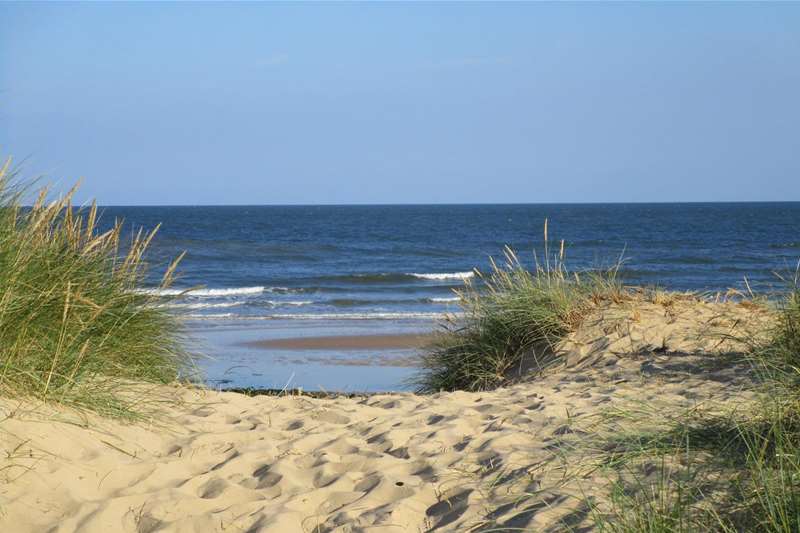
(300,392)
(396,341)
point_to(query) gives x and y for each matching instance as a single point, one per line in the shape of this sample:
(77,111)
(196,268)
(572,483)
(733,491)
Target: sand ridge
(396,462)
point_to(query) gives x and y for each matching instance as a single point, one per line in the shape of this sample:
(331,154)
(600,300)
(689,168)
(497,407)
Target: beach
(526,456)
(349,267)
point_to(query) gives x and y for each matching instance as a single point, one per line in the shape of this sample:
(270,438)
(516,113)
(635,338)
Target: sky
(302,103)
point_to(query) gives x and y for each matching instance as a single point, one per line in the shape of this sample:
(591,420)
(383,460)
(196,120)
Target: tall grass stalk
(74,328)
(512,319)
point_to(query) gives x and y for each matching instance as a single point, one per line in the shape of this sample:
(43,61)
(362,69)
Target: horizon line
(464,204)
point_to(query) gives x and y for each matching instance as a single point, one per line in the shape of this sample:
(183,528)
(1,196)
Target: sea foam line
(277,303)
(443,275)
(203,305)
(444,300)
(235,291)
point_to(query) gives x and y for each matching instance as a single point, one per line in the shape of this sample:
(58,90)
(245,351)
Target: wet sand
(404,341)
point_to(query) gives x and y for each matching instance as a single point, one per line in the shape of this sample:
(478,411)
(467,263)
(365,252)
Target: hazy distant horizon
(462,204)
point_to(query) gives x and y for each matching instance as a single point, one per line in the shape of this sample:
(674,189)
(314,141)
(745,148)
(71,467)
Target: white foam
(443,275)
(445,300)
(279,289)
(277,303)
(212,316)
(235,291)
(204,305)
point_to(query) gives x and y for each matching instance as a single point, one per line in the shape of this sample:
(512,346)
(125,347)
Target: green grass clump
(770,483)
(779,355)
(744,466)
(74,328)
(660,506)
(511,322)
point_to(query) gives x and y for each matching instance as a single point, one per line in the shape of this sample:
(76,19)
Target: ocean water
(290,271)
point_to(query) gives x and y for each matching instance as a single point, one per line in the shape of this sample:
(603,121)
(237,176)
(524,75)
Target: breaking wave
(213,293)
(444,275)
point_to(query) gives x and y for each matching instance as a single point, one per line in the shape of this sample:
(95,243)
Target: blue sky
(404,102)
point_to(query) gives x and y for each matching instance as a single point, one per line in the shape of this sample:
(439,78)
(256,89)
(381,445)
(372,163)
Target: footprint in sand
(400,453)
(324,477)
(265,478)
(332,418)
(449,509)
(212,488)
(435,419)
(294,425)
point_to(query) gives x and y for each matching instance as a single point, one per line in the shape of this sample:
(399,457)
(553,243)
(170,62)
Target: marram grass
(733,472)
(73,328)
(512,319)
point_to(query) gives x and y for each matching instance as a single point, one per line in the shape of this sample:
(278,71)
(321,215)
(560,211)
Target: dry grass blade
(73,327)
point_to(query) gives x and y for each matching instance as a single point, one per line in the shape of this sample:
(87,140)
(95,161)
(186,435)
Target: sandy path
(445,462)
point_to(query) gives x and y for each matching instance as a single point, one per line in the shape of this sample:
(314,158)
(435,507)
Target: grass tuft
(752,455)
(74,329)
(512,319)
(779,354)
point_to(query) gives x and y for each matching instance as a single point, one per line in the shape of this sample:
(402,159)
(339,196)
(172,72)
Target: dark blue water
(312,268)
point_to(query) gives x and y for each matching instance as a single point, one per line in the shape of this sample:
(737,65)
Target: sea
(280,272)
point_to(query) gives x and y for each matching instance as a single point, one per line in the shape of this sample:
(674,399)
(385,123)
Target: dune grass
(701,470)
(779,355)
(73,327)
(512,319)
(738,471)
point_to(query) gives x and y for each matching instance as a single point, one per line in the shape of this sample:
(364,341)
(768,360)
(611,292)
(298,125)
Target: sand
(517,457)
(346,342)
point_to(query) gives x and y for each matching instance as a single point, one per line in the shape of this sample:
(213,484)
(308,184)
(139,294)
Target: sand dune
(510,458)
